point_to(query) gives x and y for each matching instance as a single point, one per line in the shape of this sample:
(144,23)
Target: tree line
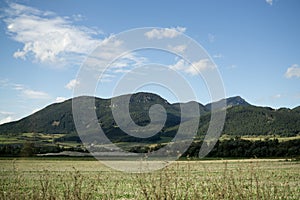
(231,148)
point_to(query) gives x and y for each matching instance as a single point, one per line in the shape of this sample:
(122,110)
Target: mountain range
(242,119)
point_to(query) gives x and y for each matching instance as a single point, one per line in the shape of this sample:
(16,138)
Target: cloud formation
(34,94)
(194,68)
(6,120)
(29,93)
(293,71)
(178,48)
(218,56)
(72,84)
(165,33)
(112,57)
(48,38)
(270,2)
(6,117)
(60,99)
(24,91)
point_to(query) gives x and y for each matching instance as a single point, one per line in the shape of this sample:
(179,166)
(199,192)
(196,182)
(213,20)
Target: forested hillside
(52,129)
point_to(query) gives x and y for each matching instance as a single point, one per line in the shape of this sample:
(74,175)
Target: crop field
(51,178)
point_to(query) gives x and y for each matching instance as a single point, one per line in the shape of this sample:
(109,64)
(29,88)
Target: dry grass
(243,179)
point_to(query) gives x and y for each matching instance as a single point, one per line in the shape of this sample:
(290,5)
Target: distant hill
(253,120)
(242,118)
(55,118)
(230,102)
(297,109)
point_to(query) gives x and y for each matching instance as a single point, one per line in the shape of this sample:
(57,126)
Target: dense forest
(232,148)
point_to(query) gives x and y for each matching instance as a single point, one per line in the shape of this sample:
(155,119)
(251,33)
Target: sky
(254,46)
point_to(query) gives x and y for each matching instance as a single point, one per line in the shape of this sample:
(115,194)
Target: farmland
(51,178)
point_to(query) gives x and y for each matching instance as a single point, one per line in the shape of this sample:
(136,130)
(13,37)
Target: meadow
(51,178)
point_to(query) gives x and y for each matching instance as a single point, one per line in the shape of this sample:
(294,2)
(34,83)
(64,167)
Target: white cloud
(6,117)
(112,58)
(25,91)
(106,77)
(270,2)
(78,17)
(179,65)
(201,65)
(110,49)
(218,56)
(6,120)
(29,93)
(122,71)
(165,33)
(177,49)
(48,38)
(292,71)
(6,113)
(33,94)
(60,99)
(18,86)
(72,83)
(194,68)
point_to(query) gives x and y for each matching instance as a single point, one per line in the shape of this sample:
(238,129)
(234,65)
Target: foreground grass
(75,179)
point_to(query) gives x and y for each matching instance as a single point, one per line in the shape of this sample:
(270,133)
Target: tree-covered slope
(55,118)
(252,120)
(241,119)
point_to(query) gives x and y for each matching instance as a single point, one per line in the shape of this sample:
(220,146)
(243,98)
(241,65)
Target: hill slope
(242,118)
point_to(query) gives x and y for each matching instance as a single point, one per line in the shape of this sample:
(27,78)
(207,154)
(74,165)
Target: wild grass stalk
(182,180)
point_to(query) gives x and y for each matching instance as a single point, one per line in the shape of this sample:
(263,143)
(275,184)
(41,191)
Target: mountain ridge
(242,118)
(203,108)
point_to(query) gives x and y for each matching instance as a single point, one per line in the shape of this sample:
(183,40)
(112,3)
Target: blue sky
(255,45)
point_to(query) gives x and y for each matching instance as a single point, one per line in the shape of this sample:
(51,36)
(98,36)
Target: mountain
(55,118)
(58,119)
(202,109)
(253,120)
(297,109)
(242,118)
(229,102)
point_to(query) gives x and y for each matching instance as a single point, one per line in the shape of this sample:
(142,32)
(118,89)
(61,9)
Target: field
(89,179)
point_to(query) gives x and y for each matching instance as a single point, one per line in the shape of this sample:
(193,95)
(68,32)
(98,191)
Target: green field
(89,179)
(261,137)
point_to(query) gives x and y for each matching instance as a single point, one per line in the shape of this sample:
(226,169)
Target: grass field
(88,179)
(262,137)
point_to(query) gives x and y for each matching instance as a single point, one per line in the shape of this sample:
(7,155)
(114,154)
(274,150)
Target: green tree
(27,150)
